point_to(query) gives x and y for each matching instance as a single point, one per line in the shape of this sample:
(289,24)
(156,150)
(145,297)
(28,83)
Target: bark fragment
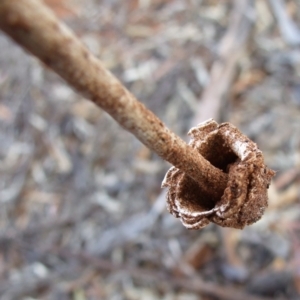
(245,197)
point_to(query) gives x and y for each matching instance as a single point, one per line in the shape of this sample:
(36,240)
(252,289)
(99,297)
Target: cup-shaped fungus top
(245,197)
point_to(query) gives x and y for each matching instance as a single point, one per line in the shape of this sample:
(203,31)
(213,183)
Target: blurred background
(82,214)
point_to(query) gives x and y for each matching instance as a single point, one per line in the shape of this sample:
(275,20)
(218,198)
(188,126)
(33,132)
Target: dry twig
(224,68)
(288,29)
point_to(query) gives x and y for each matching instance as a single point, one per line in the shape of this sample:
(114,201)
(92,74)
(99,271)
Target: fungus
(220,177)
(245,197)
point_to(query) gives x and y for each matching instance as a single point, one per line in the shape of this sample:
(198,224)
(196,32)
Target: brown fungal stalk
(35,27)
